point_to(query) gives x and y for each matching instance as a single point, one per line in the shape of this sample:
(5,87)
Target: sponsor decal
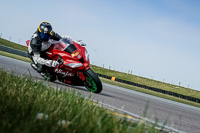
(60,71)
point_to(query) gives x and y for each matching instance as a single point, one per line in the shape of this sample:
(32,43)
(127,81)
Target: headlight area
(74,65)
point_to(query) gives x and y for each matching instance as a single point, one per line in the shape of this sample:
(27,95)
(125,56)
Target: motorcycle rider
(38,45)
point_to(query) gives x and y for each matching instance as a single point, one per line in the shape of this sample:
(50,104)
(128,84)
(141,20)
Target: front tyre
(92,81)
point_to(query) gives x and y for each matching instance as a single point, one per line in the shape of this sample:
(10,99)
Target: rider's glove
(54,63)
(51,63)
(68,37)
(80,42)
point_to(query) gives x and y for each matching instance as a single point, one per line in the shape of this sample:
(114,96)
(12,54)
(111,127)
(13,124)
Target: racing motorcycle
(74,65)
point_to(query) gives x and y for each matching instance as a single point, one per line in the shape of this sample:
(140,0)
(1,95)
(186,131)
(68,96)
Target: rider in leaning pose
(38,45)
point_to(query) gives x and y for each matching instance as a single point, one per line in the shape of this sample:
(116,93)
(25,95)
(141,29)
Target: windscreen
(70,45)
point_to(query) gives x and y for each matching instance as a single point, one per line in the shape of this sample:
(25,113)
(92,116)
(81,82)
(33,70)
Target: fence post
(179,84)
(1,35)
(19,40)
(10,38)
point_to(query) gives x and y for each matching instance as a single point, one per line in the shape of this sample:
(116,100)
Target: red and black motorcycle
(73,65)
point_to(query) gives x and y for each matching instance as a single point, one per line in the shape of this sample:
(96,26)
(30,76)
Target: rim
(90,83)
(47,76)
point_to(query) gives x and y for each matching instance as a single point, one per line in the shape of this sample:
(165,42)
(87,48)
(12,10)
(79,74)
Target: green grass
(22,100)
(12,45)
(15,56)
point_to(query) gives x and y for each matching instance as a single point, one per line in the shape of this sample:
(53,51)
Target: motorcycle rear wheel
(92,81)
(49,77)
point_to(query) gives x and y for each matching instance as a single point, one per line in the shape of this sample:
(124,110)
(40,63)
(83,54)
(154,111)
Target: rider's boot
(38,68)
(43,71)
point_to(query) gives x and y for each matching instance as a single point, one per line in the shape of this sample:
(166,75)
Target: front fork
(81,76)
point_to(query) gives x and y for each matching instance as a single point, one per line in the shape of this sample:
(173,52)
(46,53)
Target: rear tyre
(92,81)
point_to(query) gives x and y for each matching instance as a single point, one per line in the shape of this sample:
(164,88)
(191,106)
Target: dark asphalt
(181,117)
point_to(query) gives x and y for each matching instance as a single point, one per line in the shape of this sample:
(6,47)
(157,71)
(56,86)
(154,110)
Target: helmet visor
(44,36)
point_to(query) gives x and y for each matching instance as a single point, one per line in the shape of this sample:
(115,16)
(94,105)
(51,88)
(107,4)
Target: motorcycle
(74,65)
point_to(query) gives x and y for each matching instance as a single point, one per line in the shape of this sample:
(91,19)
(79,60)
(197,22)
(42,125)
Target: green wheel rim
(47,76)
(90,83)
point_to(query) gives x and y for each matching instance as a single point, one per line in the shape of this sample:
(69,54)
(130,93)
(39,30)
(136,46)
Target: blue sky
(157,39)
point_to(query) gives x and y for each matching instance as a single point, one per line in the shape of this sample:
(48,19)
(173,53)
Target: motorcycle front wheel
(92,81)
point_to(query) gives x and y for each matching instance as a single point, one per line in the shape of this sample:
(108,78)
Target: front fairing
(70,52)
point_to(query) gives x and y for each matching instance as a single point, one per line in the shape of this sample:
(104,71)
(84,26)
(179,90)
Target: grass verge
(12,44)
(14,56)
(28,106)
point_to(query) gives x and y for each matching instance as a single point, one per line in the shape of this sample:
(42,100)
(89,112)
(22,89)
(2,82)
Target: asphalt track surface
(181,117)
